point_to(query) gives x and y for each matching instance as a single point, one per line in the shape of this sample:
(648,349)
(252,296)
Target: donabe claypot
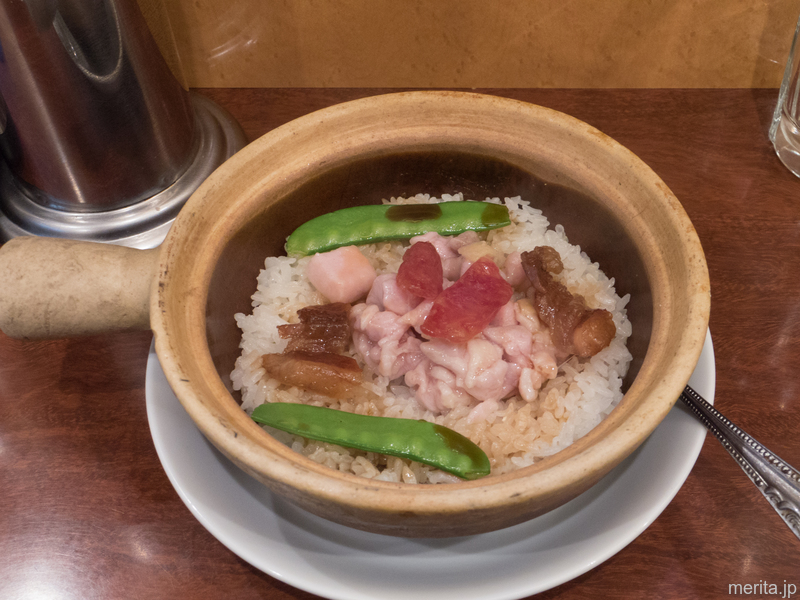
(609,202)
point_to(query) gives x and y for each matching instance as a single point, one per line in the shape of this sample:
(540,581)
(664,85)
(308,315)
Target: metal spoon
(775,478)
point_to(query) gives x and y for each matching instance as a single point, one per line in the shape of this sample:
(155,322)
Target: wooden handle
(52,288)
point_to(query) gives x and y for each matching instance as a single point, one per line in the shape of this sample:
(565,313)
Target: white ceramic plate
(337,562)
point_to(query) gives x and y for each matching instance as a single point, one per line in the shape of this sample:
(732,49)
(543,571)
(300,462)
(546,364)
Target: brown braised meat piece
(574,328)
(322,328)
(333,375)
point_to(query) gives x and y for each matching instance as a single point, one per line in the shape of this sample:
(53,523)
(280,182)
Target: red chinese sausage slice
(421,271)
(464,309)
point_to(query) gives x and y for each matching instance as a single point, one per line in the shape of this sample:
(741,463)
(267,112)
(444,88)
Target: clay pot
(608,200)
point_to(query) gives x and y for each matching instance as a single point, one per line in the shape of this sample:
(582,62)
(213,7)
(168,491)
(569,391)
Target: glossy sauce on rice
(516,433)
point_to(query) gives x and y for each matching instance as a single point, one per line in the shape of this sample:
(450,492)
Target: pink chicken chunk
(341,275)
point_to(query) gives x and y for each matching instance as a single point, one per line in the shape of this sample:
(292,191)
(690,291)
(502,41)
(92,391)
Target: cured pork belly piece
(333,375)
(575,329)
(322,328)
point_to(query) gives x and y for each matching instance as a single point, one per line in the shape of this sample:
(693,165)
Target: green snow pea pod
(421,441)
(382,222)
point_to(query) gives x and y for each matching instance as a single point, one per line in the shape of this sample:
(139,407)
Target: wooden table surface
(87,512)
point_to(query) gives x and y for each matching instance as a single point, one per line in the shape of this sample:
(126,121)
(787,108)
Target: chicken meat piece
(341,275)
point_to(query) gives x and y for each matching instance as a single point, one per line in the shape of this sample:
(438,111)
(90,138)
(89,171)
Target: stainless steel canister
(99,140)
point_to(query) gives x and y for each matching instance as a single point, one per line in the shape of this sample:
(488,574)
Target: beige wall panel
(475,43)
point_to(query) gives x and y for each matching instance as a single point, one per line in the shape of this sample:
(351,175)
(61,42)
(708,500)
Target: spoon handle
(776,479)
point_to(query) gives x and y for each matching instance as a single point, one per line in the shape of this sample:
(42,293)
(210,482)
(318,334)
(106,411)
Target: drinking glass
(784,132)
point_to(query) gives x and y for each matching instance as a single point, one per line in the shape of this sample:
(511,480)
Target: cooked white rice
(518,434)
